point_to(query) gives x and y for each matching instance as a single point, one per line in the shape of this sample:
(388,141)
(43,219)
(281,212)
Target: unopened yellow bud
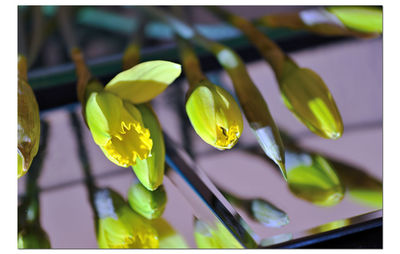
(28,123)
(214,115)
(307,96)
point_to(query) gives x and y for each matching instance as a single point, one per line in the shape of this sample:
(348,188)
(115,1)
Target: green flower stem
(254,106)
(131,56)
(22,36)
(37,34)
(190,64)
(269,50)
(82,71)
(83,157)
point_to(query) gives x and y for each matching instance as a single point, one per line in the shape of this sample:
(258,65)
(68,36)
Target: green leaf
(144,81)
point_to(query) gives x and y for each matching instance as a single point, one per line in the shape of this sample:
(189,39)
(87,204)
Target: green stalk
(254,106)
(83,157)
(131,56)
(293,20)
(190,64)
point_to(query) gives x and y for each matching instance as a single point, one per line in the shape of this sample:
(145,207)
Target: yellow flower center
(227,138)
(132,141)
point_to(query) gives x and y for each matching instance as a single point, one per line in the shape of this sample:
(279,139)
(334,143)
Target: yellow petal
(144,81)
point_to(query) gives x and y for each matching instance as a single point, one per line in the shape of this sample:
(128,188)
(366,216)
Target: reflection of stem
(89,180)
(30,202)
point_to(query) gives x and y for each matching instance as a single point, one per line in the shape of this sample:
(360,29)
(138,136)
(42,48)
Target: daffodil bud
(118,129)
(214,115)
(149,204)
(268,214)
(217,237)
(28,125)
(32,236)
(168,237)
(312,178)
(150,171)
(360,18)
(119,226)
(307,96)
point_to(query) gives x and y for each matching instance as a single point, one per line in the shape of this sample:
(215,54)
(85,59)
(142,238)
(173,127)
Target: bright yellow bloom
(214,115)
(119,226)
(117,127)
(28,121)
(114,121)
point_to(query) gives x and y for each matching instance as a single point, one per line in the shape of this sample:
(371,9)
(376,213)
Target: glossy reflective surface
(68,219)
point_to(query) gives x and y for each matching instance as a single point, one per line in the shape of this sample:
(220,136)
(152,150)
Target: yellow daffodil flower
(114,121)
(149,204)
(119,226)
(28,121)
(117,127)
(214,115)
